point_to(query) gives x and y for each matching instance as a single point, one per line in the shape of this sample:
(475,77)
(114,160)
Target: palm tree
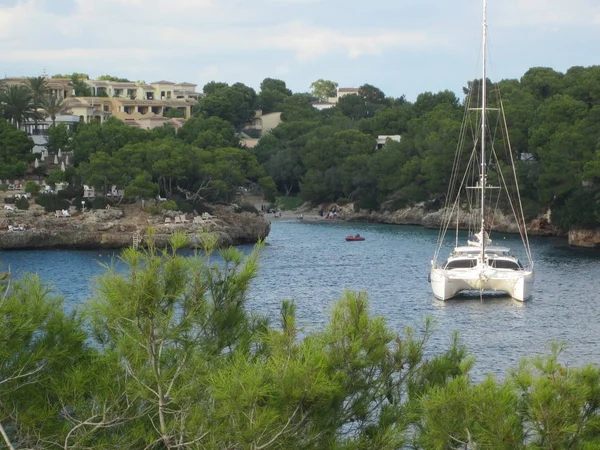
(38,87)
(17,105)
(54,106)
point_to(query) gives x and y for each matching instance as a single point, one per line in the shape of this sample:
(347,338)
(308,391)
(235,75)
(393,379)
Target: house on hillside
(261,123)
(89,109)
(134,101)
(158,90)
(342,92)
(55,87)
(382,139)
(39,131)
(98,109)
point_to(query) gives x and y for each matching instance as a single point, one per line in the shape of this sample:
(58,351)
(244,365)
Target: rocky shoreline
(419,215)
(115,228)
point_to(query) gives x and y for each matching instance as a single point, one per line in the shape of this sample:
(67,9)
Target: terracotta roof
(185,83)
(163,82)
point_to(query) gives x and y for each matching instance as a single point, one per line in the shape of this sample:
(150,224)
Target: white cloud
(147,29)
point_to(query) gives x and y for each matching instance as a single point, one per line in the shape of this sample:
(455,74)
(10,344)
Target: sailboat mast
(483,126)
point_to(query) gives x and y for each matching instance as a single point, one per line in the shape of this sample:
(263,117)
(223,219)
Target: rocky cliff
(585,237)
(115,228)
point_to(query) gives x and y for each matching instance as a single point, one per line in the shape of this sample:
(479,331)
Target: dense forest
(166,355)
(330,155)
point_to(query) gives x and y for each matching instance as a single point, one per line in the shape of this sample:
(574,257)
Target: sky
(403,47)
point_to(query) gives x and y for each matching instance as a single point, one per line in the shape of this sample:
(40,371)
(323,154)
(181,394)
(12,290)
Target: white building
(39,133)
(383,138)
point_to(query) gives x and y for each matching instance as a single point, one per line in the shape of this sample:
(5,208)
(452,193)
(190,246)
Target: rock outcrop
(115,228)
(429,218)
(585,237)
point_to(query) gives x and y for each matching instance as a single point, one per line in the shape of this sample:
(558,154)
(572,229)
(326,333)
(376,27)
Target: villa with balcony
(55,87)
(158,90)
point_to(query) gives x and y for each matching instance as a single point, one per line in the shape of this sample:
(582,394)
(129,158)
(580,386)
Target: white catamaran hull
(449,283)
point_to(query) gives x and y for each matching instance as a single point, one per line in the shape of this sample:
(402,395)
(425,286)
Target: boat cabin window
(461,264)
(505,264)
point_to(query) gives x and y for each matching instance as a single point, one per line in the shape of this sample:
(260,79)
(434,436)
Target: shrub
(100,203)
(170,205)
(22,203)
(185,207)
(33,188)
(51,202)
(77,203)
(70,192)
(153,209)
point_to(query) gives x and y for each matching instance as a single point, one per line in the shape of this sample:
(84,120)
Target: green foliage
(58,138)
(234,104)
(174,112)
(272,94)
(42,347)
(170,205)
(15,151)
(18,105)
(184,207)
(298,107)
(107,137)
(580,208)
(324,89)
(79,86)
(112,78)
(142,187)
(208,133)
(58,176)
(169,353)
(51,202)
(330,154)
(22,203)
(53,106)
(99,203)
(70,192)
(288,203)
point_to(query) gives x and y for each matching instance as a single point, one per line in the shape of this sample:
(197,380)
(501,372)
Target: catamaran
(478,192)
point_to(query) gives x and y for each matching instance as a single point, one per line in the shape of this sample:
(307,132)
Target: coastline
(125,226)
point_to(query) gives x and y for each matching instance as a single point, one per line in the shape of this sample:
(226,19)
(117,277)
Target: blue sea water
(313,265)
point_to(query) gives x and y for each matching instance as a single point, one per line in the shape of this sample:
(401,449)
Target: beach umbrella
(55,159)
(36,163)
(66,160)
(59,153)
(62,166)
